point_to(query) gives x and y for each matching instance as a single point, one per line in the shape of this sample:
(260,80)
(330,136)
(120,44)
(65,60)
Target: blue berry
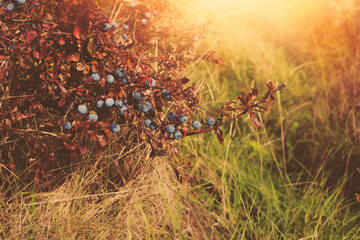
(109,102)
(165,94)
(123,109)
(10,7)
(147,122)
(171,116)
(115,127)
(147,15)
(125,80)
(124,36)
(93,117)
(126,27)
(196,125)
(67,125)
(170,128)
(119,73)
(138,95)
(119,103)
(152,81)
(106,27)
(183,118)
(144,106)
(210,121)
(82,109)
(114,25)
(144,21)
(110,78)
(100,103)
(95,77)
(177,134)
(20,1)
(153,126)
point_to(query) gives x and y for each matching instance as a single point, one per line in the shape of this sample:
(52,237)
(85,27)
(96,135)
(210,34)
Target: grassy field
(295,178)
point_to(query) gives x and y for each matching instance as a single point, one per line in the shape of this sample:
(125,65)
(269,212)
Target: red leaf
(83,149)
(74,57)
(219,135)
(254,92)
(77,32)
(62,102)
(185,131)
(61,41)
(36,54)
(229,102)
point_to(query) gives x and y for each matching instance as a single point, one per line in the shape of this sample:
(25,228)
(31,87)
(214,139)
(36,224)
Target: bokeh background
(311,45)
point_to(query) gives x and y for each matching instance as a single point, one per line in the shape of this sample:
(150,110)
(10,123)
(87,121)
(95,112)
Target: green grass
(295,178)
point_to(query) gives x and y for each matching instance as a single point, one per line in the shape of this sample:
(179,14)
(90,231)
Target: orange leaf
(77,32)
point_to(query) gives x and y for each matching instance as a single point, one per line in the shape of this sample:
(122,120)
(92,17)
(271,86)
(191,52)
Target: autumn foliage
(49,51)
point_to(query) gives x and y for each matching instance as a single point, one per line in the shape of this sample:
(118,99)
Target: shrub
(62,61)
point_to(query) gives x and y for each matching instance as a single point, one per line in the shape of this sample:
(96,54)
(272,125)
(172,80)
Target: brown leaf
(77,32)
(91,46)
(219,135)
(255,121)
(69,145)
(102,140)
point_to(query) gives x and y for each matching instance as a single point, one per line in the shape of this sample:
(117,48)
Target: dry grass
(154,205)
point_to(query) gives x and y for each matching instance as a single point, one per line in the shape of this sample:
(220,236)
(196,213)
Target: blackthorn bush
(62,61)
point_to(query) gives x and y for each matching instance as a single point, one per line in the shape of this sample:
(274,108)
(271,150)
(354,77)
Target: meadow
(295,178)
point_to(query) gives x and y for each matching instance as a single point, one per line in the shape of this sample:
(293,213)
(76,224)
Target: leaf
(219,135)
(185,131)
(91,46)
(185,80)
(77,32)
(255,121)
(61,41)
(83,149)
(80,66)
(61,102)
(254,92)
(102,140)
(69,145)
(242,100)
(36,54)
(229,102)
(74,57)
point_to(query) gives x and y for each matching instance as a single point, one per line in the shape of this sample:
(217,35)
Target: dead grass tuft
(153,205)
